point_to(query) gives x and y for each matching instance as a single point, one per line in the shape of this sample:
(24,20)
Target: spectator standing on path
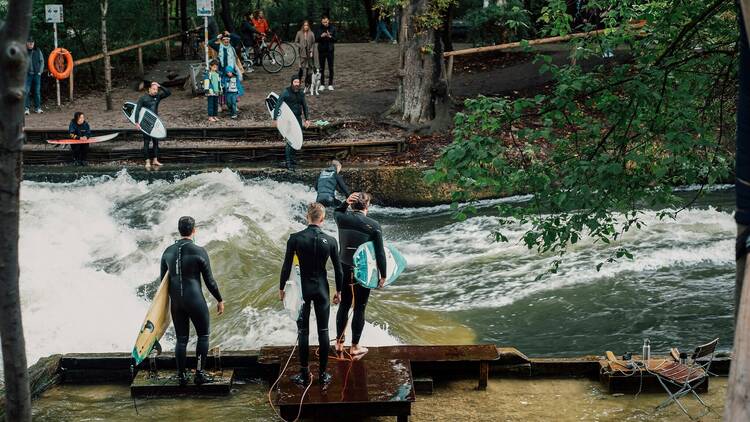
(151,101)
(294,97)
(213,90)
(326,38)
(382,28)
(305,39)
(34,76)
(79,129)
(232,89)
(227,56)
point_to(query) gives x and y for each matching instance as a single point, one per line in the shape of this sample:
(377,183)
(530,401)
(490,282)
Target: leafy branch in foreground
(601,145)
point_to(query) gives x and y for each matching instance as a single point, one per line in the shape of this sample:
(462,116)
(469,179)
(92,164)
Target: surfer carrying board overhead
(151,101)
(329,181)
(313,249)
(355,229)
(186,263)
(79,129)
(294,97)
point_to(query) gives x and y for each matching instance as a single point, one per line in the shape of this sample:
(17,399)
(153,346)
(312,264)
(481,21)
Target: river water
(90,254)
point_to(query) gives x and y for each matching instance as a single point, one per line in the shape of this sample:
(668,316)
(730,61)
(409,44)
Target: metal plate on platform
(165,383)
(366,387)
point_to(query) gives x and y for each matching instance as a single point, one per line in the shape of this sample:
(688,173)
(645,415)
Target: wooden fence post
(71,83)
(140,61)
(166,47)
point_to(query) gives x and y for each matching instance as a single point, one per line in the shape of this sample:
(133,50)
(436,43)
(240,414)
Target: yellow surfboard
(155,324)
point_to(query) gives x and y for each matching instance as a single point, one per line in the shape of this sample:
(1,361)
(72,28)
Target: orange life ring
(60,63)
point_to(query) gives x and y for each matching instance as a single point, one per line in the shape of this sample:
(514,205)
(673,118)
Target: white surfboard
(366,267)
(288,125)
(155,324)
(150,123)
(293,292)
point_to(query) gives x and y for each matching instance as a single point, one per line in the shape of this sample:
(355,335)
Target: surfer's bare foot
(148,164)
(339,347)
(357,350)
(156,162)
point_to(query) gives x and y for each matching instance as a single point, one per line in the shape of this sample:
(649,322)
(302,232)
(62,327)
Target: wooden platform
(165,383)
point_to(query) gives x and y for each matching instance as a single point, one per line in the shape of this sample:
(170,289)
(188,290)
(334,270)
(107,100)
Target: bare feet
(339,347)
(357,350)
(156,163)
(148,164)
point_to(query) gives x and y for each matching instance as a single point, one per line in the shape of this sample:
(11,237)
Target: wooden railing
(139,47)
(507,46)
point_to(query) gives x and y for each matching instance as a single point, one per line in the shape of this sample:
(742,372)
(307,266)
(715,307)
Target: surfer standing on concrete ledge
(151,101)
(294,97)
(186,263)
(313,248)
(355,229)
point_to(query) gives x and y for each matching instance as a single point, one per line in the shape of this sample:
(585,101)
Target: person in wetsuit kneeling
(355,229)
(313,248)
(329,181)
(186,263)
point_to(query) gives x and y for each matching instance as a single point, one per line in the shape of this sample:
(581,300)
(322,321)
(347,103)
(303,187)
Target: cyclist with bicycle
(250,34)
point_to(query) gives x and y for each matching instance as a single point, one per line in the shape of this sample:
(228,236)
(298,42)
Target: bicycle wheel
(272,61)
(289,52)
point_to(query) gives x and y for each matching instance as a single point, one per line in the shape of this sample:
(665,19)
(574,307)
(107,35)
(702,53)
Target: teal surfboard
(366,268)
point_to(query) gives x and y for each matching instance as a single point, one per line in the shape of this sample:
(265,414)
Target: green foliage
(603,145)
(498,24)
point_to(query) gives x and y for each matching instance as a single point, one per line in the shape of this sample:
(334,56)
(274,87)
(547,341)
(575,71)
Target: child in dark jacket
(212,86)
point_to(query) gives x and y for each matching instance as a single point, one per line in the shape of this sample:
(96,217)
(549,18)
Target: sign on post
(53,13)
(205,7)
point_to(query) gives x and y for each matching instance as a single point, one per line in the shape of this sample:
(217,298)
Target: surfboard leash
(281,374)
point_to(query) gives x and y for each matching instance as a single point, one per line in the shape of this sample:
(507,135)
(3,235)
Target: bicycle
(288,50)
(272,61)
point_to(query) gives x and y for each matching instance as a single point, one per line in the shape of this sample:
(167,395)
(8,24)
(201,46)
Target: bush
(498,24)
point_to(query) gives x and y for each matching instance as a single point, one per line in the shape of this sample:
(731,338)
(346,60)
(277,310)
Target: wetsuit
(80,151)
(355,228)
(295,99)
(186,263)
(313,248)
(152,103)
(328,182)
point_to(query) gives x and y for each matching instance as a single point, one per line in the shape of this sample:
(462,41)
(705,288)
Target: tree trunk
(226,15)
(103,5)
(737,406)
(422,99)
(13,62)
(372,21)
(447,30)
(184,26)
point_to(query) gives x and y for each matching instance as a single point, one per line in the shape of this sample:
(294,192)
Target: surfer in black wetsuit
(329,181)
(313,248)
(294,97)
(151,101)
(355,229)
(186,263)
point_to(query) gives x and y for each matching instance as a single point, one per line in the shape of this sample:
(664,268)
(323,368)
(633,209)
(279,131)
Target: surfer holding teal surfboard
(186,262)
(313,248)
(294,97)
(355,229)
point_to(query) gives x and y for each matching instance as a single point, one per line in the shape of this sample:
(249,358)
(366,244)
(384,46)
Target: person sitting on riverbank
(213,89)
(313,248)
(151,101)
(186,263)
(294,97)
(329,181)
(79,129)
(355,229)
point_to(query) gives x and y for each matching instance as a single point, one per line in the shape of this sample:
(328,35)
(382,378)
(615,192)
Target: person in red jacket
(260,22)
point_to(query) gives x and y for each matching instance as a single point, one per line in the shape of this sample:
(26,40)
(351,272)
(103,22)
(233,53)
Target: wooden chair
(681,379)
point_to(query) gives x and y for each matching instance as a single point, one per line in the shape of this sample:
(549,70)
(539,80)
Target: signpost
(205,9)
(53,13)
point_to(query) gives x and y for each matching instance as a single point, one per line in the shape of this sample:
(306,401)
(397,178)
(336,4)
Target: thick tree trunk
(13,62)
(226,15)
(103,5)
(422,99)
(447,30)
(372,21)
(738,395)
